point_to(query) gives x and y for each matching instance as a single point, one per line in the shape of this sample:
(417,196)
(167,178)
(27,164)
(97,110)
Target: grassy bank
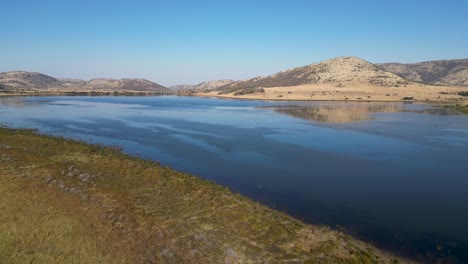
(69,202)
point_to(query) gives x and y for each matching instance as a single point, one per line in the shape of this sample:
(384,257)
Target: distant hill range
(32,81)
(442,72)
(340,70)
(346,70)
(337,71)
(180,87)
(212,85)
(204,86)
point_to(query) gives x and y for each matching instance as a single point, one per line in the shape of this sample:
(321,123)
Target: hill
(124,84)
(349,78)
(441,72)
(180,87)
(32,81)
(212,85)
(201,87)
(27,80)
(336,71)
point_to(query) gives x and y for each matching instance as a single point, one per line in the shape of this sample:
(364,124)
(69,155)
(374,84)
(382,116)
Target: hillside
(180,87)
(28,80)
(212,85)
(124,84)
(201,87)
(340,70)
(348,79)
(442,72)
(32,81)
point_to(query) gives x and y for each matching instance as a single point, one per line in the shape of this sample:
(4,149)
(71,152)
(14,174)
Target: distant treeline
(22,92)
(249,91)
(116,93)
(5,88)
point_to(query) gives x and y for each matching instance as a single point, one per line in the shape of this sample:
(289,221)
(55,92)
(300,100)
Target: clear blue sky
(186,42)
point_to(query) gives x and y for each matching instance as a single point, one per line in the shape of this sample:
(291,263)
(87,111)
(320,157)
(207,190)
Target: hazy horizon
(185,42)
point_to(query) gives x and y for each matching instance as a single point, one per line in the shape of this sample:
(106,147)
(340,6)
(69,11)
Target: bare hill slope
(33,81)
(442,72)
(337,70)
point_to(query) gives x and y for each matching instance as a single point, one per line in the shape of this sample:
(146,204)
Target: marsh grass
(66,201)
(462,108)
(458,107)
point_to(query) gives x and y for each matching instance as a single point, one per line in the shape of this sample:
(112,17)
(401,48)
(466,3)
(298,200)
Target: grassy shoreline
(68,201)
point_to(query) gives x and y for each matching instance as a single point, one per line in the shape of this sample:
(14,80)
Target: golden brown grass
(68,202)
(356,92)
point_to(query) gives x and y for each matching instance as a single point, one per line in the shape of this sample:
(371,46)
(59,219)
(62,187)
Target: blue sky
(187,42)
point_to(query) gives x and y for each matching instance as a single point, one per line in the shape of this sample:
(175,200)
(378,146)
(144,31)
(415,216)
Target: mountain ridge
(337,70)
(437,72)
(34,81)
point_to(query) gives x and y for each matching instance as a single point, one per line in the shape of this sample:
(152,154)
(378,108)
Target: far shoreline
(459,106)
(416,93)
(228,97)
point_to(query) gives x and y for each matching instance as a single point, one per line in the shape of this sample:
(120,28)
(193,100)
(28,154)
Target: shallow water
(392,173)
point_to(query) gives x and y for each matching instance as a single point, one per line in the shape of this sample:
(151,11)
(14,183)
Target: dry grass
(356,92)
(68,202)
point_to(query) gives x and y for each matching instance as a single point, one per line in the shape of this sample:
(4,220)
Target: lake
(395,174)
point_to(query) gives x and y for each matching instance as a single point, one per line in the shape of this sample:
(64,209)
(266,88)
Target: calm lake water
(392,173)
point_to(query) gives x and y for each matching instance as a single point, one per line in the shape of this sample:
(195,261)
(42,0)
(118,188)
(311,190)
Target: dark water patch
(422,247)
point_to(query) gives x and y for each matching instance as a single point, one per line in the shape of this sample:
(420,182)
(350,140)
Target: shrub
(249,91)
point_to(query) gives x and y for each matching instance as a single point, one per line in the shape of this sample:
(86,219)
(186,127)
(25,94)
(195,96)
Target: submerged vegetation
(462,108)
(68,201)
(457,107)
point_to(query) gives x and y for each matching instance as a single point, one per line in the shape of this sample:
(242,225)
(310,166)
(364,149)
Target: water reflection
(18,102)
(437,111)
(346,113)
(338,113)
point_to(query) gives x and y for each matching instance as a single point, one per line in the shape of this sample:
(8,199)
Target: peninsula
(67,201)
